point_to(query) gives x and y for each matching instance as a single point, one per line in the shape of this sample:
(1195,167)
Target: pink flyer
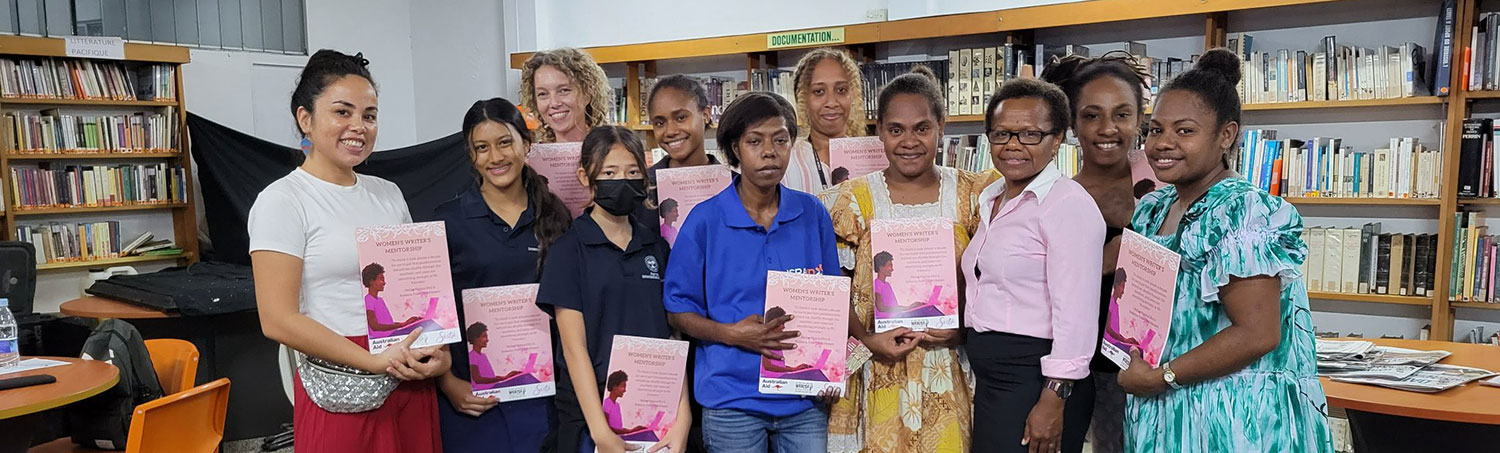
(1140,305)
(408,284)
(510,343)
(558,162)
(1143,178)
(819,305)
(853,157)
(916,278)
(644,387)
(678,190)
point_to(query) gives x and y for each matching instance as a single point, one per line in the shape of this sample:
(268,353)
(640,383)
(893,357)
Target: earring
(306,145)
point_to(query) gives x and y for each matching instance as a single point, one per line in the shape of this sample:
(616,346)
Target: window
(273,26)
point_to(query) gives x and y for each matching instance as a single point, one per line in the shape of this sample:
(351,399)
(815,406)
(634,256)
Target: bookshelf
(169,113)
(1218,18)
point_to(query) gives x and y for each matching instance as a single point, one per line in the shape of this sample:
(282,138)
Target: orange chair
(190,421)
(176,363)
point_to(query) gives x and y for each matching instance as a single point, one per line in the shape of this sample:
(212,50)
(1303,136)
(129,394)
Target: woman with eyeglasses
(1030,320)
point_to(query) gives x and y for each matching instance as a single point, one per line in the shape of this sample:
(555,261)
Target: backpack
(103,420)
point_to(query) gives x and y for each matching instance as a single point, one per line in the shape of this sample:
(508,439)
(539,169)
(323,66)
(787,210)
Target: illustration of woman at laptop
(777,368)
(378,314)
(885,301)
(481,373)
(667,209)
(615,385)
(1112,327)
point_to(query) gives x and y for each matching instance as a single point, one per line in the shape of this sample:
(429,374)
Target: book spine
(1443,47)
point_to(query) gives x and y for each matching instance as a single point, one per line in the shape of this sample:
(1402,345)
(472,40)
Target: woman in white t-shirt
(830,104)
(307,276)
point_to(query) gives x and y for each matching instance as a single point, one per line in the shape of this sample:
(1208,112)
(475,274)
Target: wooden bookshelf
(1305,105)
(1479,201)
(1372,298)
(63,265)
(87,102)
(91,209)
(998,25)
(184,232)
(1475,305)
(1351,201)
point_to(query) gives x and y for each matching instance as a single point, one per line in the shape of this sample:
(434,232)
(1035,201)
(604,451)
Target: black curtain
(234,167)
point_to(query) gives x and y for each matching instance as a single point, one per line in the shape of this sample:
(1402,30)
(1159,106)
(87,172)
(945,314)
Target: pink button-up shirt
(1034,269)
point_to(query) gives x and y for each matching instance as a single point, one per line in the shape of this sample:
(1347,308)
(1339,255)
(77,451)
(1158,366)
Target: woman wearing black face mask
(600,279)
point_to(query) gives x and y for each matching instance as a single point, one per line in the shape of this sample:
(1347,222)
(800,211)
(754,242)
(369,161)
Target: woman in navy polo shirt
(716,283)
(600,279)
(497,232)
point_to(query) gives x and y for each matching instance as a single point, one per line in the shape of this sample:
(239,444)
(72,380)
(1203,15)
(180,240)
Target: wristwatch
(1062,388)
(1169,376)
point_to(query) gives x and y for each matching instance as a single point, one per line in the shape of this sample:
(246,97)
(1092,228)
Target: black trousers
(1008,383)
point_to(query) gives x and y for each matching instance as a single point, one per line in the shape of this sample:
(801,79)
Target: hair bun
(1059,71)
(924,71)
(1220,61)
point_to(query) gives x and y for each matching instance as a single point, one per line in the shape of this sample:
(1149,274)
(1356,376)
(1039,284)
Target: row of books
(1337,72)
(721,91)
(52,132)
(965,152)
(1366,260)
(57,78)
(974,74)
(777,81)
(57,242)
(1324,167)
(1476,158)
(1483,72)
(1472,277)
(877,75)
(42,185)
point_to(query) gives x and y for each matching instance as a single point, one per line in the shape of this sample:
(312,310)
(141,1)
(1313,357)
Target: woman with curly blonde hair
(830,104)
(567,91)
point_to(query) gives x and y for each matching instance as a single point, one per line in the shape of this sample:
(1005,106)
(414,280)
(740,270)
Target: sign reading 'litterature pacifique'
(94,47)
(805,38)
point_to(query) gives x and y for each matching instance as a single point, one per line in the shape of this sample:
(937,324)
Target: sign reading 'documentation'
(805,38)
(94,47)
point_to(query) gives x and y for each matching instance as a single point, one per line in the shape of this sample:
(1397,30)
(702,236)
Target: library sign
(803,38)
(94,47)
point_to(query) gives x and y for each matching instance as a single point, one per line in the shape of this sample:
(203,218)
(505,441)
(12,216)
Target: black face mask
(619,196)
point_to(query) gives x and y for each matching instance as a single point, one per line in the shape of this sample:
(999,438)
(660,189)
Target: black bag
(18,277)
(102,421)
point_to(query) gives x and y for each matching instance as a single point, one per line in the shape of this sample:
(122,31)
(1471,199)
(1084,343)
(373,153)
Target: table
(1386,419)
(101,307)
(77,380)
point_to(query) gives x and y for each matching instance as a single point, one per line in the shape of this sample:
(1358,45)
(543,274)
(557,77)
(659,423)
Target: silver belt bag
(343,389)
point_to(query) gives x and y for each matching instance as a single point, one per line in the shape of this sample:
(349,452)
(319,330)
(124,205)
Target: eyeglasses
(1001,137)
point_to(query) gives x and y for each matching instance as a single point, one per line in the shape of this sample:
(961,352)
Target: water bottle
(10,349)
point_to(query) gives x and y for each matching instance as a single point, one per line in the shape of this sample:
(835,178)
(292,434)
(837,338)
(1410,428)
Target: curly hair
(1071,73)
(802,81)
(370,273)
(581,69)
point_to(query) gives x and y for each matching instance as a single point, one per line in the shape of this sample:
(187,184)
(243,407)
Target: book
(819,306)
(137,242)
(407,284)
(1475,131)
(1333,258)
(509,342)
(857,156)
(1398,253)
(558,162)
(1315,253)
(1350,265)
(915,284)
(647,376)
(1442,45)
(1369,249)
(1383,268)
(1140,306)
(1409,261)
(678,190)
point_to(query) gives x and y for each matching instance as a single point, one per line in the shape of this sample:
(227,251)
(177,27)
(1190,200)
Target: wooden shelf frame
(1372,298)
(1022,22)
(1475,305)
(184,215)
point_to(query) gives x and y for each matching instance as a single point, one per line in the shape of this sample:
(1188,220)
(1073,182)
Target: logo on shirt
(653,267)
(807,270)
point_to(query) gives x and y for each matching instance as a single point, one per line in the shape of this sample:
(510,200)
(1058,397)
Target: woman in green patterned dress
(1239,371)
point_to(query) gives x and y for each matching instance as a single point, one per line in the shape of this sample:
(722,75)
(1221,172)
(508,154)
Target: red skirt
(406,423)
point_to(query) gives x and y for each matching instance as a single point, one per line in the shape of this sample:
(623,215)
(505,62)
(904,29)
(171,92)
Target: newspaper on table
(1492,382)
(1368,371)
(1388,355)
(1430,379)
(1338,349)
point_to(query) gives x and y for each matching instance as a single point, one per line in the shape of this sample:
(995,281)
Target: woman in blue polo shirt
(497,232)
(716,283)
(600,279)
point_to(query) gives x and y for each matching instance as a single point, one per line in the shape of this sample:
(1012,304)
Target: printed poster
(558,162)
(407,284)
(644,387)
(1142,177)
(915,278)
(678,190)
(510,343)
(852,157)
(819,305)
(1140,304)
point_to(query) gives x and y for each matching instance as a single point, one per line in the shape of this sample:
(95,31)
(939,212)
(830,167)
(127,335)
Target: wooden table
(1386,419)
(77,380)
(103,308)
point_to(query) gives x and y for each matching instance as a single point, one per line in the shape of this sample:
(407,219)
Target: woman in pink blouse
(1031,321)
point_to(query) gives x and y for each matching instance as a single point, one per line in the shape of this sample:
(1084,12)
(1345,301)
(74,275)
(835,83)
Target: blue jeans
(730,430)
